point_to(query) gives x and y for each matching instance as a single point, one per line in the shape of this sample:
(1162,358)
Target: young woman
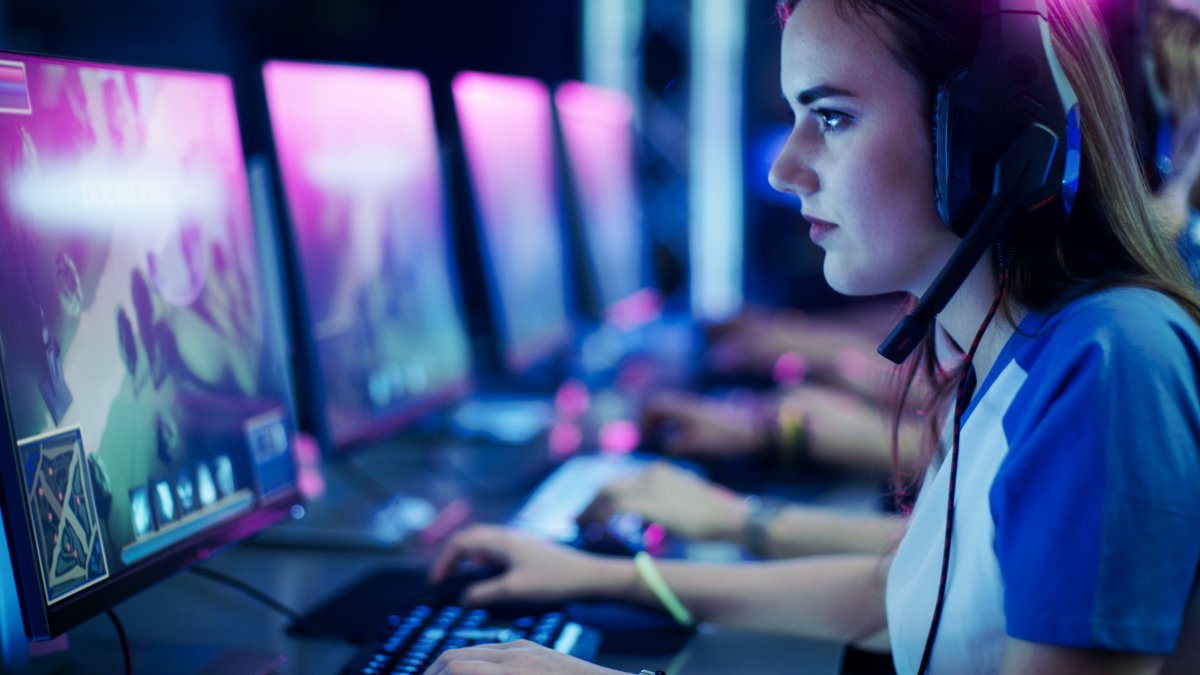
(1076,539)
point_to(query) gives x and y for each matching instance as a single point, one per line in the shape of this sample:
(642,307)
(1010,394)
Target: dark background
(538,38)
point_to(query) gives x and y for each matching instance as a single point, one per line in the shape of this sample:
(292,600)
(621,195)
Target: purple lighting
(597,128)
(359,159)
(507,133)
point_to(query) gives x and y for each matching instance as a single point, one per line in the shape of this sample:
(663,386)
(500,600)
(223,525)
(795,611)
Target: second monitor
(507,131)
(359,161)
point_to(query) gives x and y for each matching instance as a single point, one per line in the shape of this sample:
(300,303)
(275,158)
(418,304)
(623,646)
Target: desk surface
(191,624)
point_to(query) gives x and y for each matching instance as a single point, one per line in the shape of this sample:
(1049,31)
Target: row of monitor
(148,398)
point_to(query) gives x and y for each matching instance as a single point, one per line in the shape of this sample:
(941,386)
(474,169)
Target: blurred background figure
(1174,81)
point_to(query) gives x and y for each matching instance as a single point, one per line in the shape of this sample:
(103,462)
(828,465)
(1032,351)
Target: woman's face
(860,155)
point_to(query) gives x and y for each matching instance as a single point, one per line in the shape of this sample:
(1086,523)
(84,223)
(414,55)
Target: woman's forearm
(804,531)
(837,598)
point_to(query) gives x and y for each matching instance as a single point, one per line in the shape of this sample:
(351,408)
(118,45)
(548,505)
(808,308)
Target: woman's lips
(819,229)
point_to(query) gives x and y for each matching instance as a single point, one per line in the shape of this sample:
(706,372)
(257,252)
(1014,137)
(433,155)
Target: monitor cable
(125,650)
(297,619)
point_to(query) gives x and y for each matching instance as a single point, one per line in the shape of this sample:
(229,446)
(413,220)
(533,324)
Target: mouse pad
(630,630)
(358,611)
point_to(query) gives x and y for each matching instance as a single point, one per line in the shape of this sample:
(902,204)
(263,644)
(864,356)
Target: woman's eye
(830,121)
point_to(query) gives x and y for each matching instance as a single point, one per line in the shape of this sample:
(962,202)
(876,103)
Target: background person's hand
(700,428)
(535,570)
(791,347)
(679,500)
(753,341)
(520,657)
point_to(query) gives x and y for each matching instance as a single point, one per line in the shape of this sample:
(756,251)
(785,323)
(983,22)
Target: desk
(184,624)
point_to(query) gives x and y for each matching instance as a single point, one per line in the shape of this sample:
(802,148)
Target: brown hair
(1109,240)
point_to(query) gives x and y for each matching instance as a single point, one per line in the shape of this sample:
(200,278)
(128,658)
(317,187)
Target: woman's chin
(846,283)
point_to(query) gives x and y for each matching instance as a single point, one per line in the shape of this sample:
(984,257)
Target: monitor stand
(14,646)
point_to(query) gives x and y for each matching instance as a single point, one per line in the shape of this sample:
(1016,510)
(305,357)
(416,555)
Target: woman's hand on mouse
(679,500)
(535,570)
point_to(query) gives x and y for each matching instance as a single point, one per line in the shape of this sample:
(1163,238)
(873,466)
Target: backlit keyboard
(413,642)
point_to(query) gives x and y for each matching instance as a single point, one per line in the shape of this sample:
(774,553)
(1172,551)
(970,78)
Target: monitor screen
(147,411)
(507,131)
(597,132)
(359,160)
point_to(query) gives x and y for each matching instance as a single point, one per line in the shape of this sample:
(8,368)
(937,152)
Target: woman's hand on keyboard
(521,656)
(535,570)
(679,500)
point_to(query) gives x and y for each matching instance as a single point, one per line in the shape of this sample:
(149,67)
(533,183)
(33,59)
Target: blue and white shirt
(1077,517)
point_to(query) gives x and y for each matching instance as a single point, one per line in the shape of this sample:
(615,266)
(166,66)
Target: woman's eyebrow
(813,94)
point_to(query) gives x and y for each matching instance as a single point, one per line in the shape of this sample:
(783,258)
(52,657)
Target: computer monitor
(359,161)
(507,132)
(597,133)
(147,421)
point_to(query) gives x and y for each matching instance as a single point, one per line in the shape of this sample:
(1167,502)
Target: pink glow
(653,537)
(564,441)
(619,437)
(354,144)
(361,169)
(636,310)
(597,127)
(507,133)
(309,479)
(609,106)
(789,368)
(451,517)
(572,399)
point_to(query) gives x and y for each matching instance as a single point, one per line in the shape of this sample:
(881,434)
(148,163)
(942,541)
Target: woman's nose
(792,172)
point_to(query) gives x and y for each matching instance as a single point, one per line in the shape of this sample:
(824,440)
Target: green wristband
(657,585)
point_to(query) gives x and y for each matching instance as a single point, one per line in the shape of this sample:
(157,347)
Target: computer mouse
(621,534)
(450,591)
(463,574)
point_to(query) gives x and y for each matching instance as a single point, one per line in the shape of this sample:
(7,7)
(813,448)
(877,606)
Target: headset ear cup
(939,152)
(947,162)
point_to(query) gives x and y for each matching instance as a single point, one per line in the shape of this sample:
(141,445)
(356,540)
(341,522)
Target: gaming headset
(1006,136)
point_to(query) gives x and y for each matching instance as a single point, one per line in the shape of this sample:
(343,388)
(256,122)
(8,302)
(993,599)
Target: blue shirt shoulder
(1096,505)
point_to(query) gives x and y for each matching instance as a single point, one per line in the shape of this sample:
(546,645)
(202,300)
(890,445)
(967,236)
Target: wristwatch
(760,512)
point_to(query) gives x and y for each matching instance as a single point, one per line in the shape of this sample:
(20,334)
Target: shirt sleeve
(1097,504)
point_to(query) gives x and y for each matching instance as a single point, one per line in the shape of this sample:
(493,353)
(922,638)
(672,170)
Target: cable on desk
(125,650)
(297,619)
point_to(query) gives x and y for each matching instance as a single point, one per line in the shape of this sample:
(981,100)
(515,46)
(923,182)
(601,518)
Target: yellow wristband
(791,437)
(657,585)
